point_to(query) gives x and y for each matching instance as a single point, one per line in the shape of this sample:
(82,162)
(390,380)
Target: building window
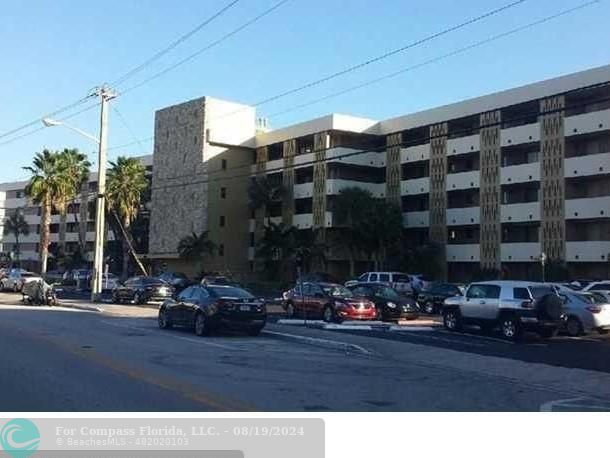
(19,194)
(222,221)
(223,193)
(221,250)
(224,164)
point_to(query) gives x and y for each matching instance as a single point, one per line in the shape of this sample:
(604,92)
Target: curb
(88,308)
(323,343)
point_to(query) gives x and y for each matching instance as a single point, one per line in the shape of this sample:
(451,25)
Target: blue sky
(54,52)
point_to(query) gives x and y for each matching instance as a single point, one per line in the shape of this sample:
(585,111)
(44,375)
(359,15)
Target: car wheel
(290,312)
(328,314)
(452,320)
(164,322)
(510,327)
(574,327)
(137,299)
(202,327)
(429,308)
(115,299)
(15,288)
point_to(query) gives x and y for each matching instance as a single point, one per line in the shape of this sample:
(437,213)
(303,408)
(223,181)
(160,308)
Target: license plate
(244,308)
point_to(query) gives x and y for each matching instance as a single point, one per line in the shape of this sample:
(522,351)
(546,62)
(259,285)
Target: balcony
(370,159)
(415,186)
(517,213)
(586,123)
(415,153)
(522,134)
(334,186)
(463,145)
(593,164)
(463,216)
(464,253)
(416,219)
(519,252)
(592,207)
(520,173)
(587,251)
(303,160)
(463,180)
(301,191)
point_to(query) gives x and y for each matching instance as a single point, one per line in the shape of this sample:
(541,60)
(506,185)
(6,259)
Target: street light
(105,94)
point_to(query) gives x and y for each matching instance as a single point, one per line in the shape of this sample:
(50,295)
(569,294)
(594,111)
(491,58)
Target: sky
(55,52)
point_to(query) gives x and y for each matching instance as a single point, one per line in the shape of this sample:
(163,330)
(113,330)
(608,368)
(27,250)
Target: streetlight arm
(82,132)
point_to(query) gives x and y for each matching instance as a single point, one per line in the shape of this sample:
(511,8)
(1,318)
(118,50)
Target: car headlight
(392,305)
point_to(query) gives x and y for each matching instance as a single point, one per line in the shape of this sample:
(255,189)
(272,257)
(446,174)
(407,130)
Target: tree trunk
(125,248)
(45,234)
(17,250)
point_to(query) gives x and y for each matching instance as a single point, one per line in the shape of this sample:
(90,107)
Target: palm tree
(277,245)
(74,166)
(381,228)
(17,225)
(350,210)
(262,193)
(44,188)
(194,247)
(126,183)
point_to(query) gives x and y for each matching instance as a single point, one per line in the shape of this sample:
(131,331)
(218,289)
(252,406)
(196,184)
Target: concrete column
(438,189)
(552,178)
(262,156)
(489,191)
(290,147)
(393,168)
(320,144)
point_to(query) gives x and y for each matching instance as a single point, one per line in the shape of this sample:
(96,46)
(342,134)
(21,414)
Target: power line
(124,122)
(37,120)
(437,59)
(174,44)
(328,77)
(208,47)
(416,66)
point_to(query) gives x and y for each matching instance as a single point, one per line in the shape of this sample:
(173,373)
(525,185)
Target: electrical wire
(173,45)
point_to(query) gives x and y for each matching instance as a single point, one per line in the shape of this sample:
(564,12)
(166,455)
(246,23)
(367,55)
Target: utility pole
(105,94)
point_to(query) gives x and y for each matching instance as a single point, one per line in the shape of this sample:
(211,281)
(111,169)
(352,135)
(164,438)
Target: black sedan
(178,280)
(390,304)
(207,308)
(431,299)
(141,290)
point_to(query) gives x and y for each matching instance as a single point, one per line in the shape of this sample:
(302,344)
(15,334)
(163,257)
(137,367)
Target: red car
(329,301)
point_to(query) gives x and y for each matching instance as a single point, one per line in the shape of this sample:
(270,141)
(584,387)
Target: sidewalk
(136,311)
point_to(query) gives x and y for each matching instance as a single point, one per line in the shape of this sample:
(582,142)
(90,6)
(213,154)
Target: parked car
(597,286)
(141,290)
(586,312)
(219,280)
(317,277)
(399,281)
(390,305)
(431,299)
(178,280)
(329,301)
(207,308)
(16,279)
(514,306)
(77,277)
(419,282)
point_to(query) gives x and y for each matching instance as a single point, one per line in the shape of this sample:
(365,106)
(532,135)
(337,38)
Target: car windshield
(152,281)
(337,291)
(596,298)
(401,278)
(230,291)
(384,291)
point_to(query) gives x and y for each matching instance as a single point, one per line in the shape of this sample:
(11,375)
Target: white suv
(399,281)
(514,306)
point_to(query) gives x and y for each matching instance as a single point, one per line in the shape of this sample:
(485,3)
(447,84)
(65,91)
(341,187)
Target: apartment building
(78,228)
(496,181)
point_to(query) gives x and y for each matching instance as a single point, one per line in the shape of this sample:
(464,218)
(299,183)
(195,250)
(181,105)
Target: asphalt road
(68,360)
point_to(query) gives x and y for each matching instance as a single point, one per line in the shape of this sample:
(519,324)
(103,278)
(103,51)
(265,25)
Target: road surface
(71,360)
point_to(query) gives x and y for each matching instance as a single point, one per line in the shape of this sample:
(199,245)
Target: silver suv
(514,306)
